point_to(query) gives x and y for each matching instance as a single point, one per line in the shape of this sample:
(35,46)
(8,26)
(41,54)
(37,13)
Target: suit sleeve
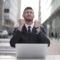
(15,38)
(44,38)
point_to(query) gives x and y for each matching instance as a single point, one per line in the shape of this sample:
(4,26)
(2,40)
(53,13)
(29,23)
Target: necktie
(29,29)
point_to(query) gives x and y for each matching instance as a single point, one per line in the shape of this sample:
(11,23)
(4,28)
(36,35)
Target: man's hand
(21,24)
(37,26)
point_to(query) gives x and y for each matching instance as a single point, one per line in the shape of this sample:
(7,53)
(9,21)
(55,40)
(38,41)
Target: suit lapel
(34,30)
(25,30)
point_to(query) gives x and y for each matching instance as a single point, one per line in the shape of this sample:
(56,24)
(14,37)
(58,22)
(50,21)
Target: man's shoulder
(42,28)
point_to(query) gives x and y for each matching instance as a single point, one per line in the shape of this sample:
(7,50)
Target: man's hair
(28,8)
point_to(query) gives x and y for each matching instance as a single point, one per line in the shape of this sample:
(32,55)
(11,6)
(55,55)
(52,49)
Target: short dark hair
(28,8)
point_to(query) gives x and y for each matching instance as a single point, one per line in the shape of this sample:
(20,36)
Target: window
(6,10)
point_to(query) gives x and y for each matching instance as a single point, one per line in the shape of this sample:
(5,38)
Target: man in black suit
(29,31)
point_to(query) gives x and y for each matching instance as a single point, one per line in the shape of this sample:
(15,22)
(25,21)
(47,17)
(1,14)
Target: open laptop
(31,50)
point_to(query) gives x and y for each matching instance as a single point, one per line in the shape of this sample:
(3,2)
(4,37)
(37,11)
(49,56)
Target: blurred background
(46,11)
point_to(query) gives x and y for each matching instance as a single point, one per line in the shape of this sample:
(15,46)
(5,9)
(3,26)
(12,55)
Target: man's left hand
(37,26)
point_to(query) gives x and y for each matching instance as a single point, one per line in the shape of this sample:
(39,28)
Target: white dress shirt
(32,25)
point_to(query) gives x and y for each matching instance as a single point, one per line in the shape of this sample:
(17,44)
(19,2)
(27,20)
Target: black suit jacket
(26,37)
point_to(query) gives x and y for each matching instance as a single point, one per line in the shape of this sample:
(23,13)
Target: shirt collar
(32,25)
(29,25)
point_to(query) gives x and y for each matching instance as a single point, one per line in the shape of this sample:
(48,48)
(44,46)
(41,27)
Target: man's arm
(17,35)
(15,38)
(43,38)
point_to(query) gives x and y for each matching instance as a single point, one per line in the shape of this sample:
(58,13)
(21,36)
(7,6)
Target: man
(43,29)
(28,31)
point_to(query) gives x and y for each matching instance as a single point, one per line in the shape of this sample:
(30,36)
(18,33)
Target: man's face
(28,15)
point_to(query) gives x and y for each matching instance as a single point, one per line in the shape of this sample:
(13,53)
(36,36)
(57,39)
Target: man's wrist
(37,30)
(36,27)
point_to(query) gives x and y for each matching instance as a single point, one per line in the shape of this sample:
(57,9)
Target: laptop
(31,50)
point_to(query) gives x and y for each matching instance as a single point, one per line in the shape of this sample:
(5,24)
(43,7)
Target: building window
(6,10)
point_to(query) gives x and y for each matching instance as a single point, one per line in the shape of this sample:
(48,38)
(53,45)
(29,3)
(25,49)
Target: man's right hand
(21,24)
